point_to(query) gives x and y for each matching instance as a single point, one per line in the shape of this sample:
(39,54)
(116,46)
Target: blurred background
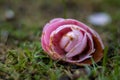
(22,20)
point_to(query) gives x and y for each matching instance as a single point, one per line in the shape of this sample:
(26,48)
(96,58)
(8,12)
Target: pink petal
(56,37)
(78,48)
(78,37)
(90,41)
(52,21)
(80,24)
(43,43)
(82,58)
(64,41)
(86,53)
(49,29)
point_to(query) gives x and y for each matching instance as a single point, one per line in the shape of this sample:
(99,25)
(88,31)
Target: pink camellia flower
(71,41)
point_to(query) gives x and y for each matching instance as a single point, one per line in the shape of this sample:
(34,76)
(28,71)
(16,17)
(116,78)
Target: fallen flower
(71,41)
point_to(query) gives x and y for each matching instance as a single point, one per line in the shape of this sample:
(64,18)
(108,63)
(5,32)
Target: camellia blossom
(71,41)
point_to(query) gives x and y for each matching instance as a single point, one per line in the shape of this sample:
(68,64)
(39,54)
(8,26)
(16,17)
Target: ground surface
(21,55)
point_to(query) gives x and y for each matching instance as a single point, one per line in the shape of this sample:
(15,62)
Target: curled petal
(98,54)
(78,48)
(73,40)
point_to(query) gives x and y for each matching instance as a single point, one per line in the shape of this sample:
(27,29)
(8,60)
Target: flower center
(67,41)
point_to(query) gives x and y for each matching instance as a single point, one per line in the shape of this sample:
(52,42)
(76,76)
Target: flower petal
(78,48)
(97,55)
(76,38)
(55,38)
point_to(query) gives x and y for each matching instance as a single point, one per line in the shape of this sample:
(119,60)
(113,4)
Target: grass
(21,55)
(29,63)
